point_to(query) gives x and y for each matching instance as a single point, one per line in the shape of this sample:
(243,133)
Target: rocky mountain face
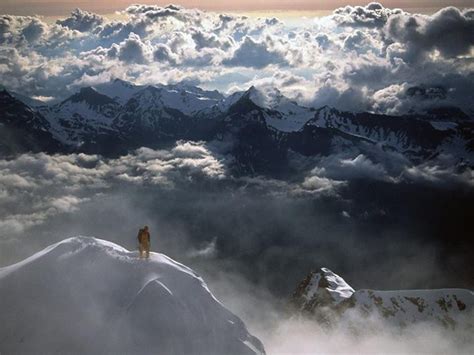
(327,298)
(261,128)
(22,128)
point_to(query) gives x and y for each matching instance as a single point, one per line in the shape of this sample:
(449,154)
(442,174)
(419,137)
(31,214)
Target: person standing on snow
(144,241)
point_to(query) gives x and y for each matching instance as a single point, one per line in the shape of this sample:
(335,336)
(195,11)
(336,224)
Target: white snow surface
(87,295)
(184,98)
(179,99)
(290,118)
(450,307)
(119,90)
(336,286)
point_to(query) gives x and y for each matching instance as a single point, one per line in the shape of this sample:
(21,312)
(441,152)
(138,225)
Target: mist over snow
(362,58)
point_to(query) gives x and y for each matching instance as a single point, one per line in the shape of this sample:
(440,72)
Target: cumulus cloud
(132,50)
(82,21)
(358,58)
(255,54)
(37,187)
(333,172)
(162,53)
(320,184)
(449,31)
(372,15)
(439,174)
(53,184)
(349,168)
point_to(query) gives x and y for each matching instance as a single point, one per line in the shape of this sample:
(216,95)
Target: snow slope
(92,296)
(120,90)
(324,294)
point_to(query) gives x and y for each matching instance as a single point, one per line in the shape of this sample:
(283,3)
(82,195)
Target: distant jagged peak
(90,96)
(323,283)
(122,82)
(253,94)
(269,97)
(9,101)
(326,110)
(5,94)
(185,87)
(118,89)
(25,99)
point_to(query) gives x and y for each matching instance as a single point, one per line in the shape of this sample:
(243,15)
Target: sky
(62,7)
(357,58)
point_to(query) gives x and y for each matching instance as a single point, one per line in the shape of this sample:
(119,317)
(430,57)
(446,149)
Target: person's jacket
(143,236)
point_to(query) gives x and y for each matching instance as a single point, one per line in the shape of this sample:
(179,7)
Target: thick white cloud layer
(40,186)
(36,187)
(359,58)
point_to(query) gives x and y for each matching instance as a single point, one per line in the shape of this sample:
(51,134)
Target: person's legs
(141,249)
(147,248)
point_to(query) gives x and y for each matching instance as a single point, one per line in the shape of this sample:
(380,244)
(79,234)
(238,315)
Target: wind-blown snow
(333,284)
(90,295)
(338,288)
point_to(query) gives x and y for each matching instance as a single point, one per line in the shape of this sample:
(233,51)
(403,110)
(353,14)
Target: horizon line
(59,9)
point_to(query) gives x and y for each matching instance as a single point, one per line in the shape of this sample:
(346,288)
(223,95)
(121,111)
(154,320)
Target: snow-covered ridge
(184,98)
(325,295)
(114,117)
(89,295)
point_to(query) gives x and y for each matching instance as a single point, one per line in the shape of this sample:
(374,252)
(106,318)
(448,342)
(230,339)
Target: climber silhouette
(144,242)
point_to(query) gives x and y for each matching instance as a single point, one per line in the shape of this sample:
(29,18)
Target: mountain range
(327,298)
(261,128)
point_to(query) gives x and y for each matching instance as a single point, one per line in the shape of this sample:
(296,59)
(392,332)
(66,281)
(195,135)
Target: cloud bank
(359,58)
(187,193)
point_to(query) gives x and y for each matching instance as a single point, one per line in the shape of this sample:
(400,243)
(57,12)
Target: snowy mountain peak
(325,285)
(325,296)
(120,90)
(256,96)
(182,99)
(91,97)
(124,83)
(117,116)
(101,298)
